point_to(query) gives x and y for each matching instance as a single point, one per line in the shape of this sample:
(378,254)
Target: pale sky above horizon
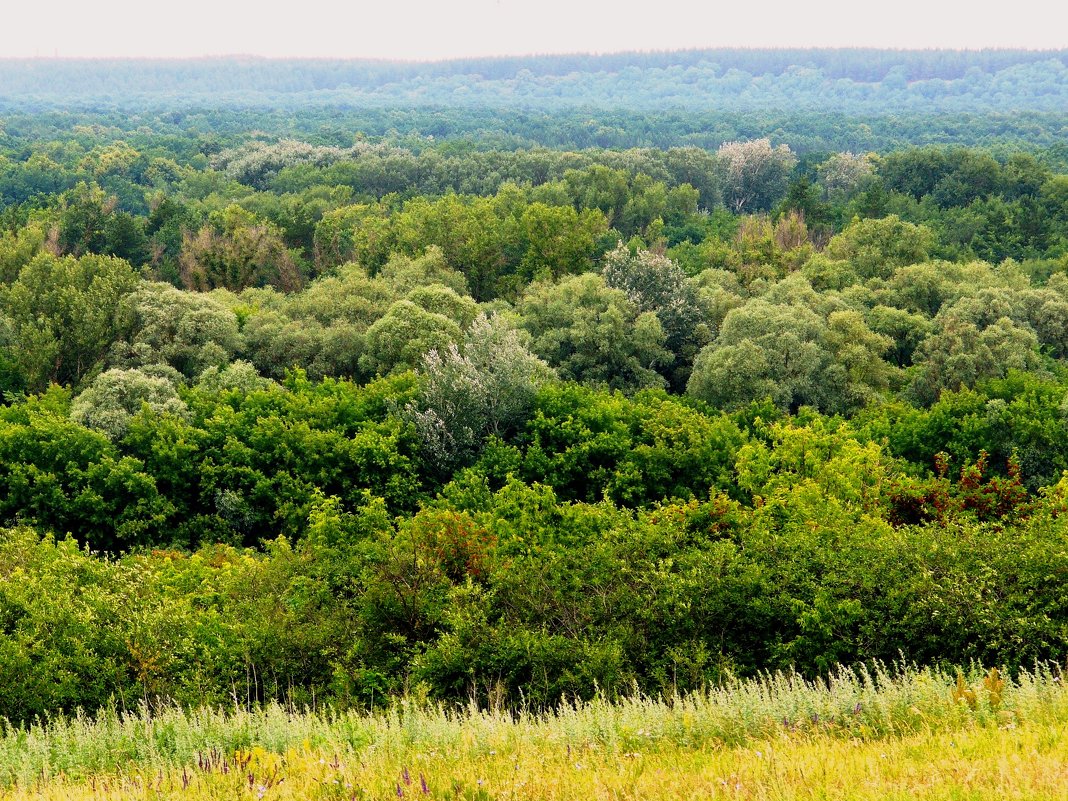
(429,29)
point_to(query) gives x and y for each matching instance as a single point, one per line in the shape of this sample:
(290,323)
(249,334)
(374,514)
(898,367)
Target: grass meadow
(881,734)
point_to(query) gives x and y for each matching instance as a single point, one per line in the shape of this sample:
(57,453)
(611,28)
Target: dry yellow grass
(985,762)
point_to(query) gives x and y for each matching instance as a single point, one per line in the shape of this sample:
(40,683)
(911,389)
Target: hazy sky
(430,29)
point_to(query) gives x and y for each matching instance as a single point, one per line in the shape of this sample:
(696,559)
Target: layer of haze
(434,29)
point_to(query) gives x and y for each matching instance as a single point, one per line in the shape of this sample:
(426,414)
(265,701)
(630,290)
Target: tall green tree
(63,314)
(592,333)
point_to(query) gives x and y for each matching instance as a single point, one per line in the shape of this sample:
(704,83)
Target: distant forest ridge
(851,80)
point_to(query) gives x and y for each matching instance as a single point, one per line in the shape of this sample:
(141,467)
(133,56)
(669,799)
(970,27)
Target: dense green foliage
(334,417)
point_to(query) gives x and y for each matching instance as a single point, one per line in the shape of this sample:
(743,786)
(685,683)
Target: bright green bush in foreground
(831,554)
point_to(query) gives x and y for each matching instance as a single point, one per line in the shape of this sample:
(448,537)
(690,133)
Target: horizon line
(534,54)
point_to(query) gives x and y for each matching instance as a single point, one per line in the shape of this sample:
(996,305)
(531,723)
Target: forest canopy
(566,384)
